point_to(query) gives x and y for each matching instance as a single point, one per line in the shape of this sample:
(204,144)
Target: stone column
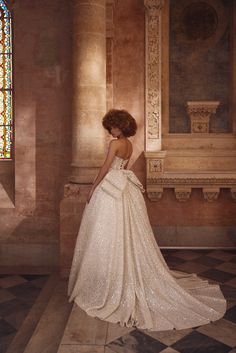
(153,74)
(89,89)
(110,4)
(233,70)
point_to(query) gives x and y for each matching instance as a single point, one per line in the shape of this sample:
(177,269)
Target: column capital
(154,4)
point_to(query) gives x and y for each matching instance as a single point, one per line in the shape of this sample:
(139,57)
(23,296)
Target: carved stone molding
(194,182)
(199,113)
(154,4)
(153,74)
(182,194)
(211,194)
(155,195)
(71,190)
(186,178)
(156,165)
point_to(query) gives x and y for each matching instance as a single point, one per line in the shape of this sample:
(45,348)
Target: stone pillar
(89,105)
(233,70)
(89,89)
(110,4)
(153,74)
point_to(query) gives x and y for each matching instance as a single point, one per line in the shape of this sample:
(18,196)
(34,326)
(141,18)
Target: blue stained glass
(4,9)
(6,123)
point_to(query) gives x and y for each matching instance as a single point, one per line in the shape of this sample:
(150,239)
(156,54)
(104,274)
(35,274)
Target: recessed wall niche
(199,61)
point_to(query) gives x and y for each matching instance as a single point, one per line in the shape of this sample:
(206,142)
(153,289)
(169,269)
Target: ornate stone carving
(186,176)
(153,74)
(182,194)
(71,190)
(199,113)
(156,165)
(167,181)
(153,4)
(155,195)
(211,194)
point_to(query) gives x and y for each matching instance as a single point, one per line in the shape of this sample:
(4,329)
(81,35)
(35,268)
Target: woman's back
(125,148)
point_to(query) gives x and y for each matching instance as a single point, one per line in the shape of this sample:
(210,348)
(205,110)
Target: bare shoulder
(114,145)
(114,142)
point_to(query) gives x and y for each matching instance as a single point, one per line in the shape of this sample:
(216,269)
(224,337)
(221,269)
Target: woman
(118,273)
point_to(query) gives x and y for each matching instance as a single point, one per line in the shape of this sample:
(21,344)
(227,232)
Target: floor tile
(231,315)
(169,350)
(81,349)
(5,295)
(168,337)
(39,282)
(108,350)
(229,292)
(34,277)
(173,260)
(10,281)
(208,261)
(230,303)
(15,319)
(232,282)
(11,306)
(26,291)
(187,254)
(222,255)
(5,342)
(222,330)
(84,329)
(135,342)
(217,275)
(115,331)
(227,267)
(198,343)
(6,328)
(191,267)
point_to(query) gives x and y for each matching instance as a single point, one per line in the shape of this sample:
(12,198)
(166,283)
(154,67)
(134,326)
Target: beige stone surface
(81,349)
(55,316)
(115,331)
(29,324)
(84,329)
(168,337)
(221,330)
(89,88)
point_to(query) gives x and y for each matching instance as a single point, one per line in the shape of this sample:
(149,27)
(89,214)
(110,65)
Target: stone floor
(17,296)
(84,334)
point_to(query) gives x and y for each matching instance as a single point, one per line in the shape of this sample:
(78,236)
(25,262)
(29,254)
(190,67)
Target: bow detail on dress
(116,181)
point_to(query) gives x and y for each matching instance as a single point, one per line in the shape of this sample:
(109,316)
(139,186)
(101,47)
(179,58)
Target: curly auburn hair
(120,119)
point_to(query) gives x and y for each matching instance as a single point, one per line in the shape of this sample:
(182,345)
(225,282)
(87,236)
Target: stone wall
(199,60)
(42,113)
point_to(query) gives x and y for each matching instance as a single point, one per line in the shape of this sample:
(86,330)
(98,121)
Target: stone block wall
(34,180)
(200,68)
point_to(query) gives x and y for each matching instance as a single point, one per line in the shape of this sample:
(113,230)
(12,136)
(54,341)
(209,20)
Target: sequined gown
(118,273)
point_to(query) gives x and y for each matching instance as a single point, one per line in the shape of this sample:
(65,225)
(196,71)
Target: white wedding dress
(118,273)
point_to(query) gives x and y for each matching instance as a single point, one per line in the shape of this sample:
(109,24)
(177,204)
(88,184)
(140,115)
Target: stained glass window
(6,122)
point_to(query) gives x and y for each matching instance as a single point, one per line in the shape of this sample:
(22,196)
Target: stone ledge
(193,172)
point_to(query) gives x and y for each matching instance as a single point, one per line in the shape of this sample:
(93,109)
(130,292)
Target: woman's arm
(113,147)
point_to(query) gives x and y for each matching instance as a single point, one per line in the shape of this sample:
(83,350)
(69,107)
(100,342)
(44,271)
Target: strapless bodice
(118,163)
